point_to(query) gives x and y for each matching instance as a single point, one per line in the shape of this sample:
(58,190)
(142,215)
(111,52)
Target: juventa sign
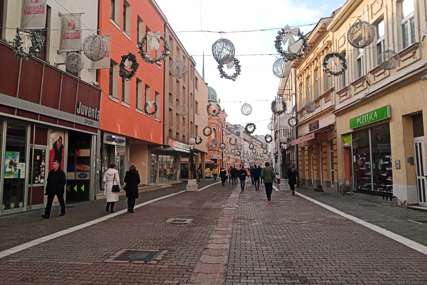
(88,112)
(374,116)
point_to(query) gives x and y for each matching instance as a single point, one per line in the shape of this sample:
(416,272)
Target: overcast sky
(256,85)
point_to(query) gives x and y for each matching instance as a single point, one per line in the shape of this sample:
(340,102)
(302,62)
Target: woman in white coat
(111,177)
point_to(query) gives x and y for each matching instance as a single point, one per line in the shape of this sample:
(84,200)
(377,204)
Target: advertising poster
(11,165)
(33,14)
(71,33)
(56,148)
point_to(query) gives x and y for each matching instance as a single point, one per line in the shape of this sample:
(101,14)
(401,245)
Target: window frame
(113,86)
(380,42)
(126,21)
(407,23)
(360,68)
(125,91)
(139,103)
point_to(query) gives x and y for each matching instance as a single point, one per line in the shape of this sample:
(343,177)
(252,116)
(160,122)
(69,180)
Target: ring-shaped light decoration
(278,106)
(238,153)
(251,146)
(250,128)
(361,34)
(290,43)
(283,146)
(128,66)
(292,122)
(268,138)
(207,131)
(214,109)
(282,67)
(246,109)
(222,146)
(334,63)
(143,46)
(235,64)
(198,140)
(150,108)
(223,51)
(177,68)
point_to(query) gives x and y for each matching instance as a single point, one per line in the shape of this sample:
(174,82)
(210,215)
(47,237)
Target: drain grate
(179,221)
(137,256)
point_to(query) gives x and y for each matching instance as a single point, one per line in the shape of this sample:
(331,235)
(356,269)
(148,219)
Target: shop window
(139,103)
(362,161)
(15,166)
(418,125)
(407,22)
(316,86)
(380,45)
(38,168)
(381,159)
(115,11)
(168,168)
(342,79)
(126,17)
(360,63)
(327,81)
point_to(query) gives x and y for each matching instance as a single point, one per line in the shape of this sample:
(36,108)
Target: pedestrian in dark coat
(56,181)
(268,176)
(223,176)
(132,181)
(292,178)
(242,173)
(257,177)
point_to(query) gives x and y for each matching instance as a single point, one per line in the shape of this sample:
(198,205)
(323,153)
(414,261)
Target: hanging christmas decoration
(17,45)
(37,43)
(213,109)
(282,67)
(232,141)
(235,64)
(265,151)
(268,138)
(238,153)
(246,109)
(73,62)
(361,34)
(150,108)
(334,63)
(292,122)
(222,146)
(128,66)
(391,59)
(207,131)
(278,106)
(177,68)
(223,51)
(290,43)
(151,42)
(198,140)
(251,146)
(250,128)
(95,47)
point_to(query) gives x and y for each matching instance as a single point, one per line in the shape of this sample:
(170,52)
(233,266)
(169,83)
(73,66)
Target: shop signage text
(374,116)
(114,140)
(88,112)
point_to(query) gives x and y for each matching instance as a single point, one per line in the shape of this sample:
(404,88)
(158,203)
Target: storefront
(114,151)
(42,123)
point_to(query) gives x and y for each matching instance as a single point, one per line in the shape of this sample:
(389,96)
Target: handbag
(115,188)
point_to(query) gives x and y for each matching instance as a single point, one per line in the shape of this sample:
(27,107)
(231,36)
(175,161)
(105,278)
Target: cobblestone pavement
(292,241)
(233,239)
(19,228)
(406,222)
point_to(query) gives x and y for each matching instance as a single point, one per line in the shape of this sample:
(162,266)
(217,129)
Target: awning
(304,139)
(170,149)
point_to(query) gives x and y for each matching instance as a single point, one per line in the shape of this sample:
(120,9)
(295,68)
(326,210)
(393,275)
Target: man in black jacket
(292,178)
(55,186)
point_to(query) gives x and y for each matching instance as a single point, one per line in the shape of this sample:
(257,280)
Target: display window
(372,160)
(168,168)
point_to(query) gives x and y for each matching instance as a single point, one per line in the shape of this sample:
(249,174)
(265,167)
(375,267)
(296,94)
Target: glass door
(15,167)
(381,160)
(362,161)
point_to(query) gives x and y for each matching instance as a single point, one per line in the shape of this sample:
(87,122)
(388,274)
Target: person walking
(132,181)
(256,175)
(215,173)
(268,177)
(242,173)
(223,176)
(251,171)
(56,181)
(111,179)
(233,174)
(292,178)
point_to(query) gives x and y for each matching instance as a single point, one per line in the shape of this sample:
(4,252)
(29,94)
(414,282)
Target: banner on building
(34,14)
(71,32)
(105,62)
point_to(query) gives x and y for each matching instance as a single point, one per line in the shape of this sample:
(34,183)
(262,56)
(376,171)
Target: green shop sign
(374,116)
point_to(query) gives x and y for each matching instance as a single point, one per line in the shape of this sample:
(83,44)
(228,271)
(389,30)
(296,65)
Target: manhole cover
(179,221)
(137,256)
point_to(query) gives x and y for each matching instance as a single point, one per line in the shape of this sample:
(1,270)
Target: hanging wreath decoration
(334,63)
(213,109)
(251,146)
(207,131)
(268,138)
(290,43)
(232,141)
(198,140)
(150,108)
(37,43)
(238,153)
(128,66)
(277,110)
(292,122)
(361,34)
(151,41)
(237,69)
(250,128)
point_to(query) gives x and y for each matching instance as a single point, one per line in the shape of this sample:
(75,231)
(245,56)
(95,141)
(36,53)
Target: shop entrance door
(421,166)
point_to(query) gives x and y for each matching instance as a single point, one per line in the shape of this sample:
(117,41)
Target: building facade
(46,114)
(381,111)
(217,125)
(201,118)
(127,127)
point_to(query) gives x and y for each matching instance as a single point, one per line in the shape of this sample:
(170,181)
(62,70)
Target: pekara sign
(372,117)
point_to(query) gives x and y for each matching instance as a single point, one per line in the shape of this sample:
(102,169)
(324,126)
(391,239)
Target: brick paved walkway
(287,241)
